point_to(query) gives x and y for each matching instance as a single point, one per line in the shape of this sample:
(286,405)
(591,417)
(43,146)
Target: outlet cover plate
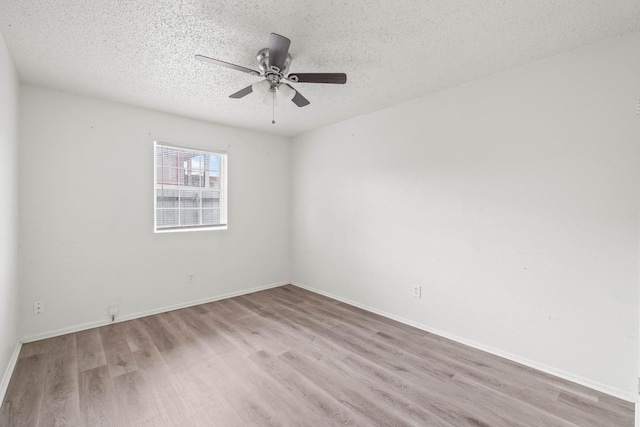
(417,291)
(114,309)
(38,307)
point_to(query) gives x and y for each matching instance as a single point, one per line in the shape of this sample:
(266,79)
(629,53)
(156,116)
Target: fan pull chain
(273,110)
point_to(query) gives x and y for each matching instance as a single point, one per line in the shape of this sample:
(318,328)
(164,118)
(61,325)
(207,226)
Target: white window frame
(222,190)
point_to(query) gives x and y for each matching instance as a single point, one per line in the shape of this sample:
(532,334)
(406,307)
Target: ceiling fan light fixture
(287,92)
(269,97)
(262,87)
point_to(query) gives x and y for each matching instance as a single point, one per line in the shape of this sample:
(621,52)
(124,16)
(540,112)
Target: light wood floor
(285,356)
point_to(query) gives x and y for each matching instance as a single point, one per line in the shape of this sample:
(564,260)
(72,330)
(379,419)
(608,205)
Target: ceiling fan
(274,62)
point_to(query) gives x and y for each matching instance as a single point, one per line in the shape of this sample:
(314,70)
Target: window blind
(190,188)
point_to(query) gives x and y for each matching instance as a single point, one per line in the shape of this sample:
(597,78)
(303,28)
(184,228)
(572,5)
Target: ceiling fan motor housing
(263,63)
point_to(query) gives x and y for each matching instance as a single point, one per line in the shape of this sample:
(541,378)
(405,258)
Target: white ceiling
(141,52)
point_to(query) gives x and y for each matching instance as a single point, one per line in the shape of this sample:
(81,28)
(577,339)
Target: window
(190,189)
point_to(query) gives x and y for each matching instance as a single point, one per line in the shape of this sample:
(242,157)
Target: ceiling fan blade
(298,99)
(227,65)
(242,93)
(334,78)
(278,50)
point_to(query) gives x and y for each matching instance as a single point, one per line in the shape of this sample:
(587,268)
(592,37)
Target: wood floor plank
(248,333)
(160,335)
(430,398)
(330,411)
(229,309)
(23,399)
(145,353)
(99,404)
(269,394)
(60,403)
(134,398)
(193,326)
(350,396)
(286,356)
(118,354)
(136,335)
(157,376)
(211,416)
(32,348)
(192,349)
(543,398)
(89,350)
(248,404)
(437,374)
(163,390)
(442,367)
(435,381)
(596,414)
(348,340)
(202,390)
(518,386)
(302,294)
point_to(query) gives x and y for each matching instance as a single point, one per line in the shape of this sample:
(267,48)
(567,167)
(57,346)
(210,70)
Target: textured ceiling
(141,52)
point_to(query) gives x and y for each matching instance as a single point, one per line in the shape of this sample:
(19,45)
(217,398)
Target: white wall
(514,201)
(8,208)
(86,205)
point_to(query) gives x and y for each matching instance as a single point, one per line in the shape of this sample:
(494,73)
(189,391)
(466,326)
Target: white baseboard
(622,394)
(7,373)
(96,324)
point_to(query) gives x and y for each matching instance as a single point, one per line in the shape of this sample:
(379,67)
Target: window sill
(184,229)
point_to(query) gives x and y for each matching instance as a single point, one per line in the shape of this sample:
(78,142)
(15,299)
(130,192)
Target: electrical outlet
(417,291)
(38,307)
(191,279)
